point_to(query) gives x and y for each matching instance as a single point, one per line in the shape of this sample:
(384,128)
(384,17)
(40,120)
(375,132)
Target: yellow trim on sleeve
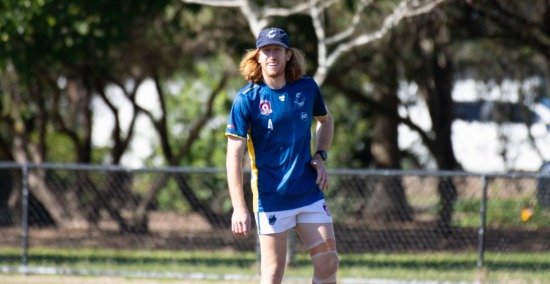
(234,135)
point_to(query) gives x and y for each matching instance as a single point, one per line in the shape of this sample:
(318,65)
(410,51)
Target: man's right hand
(240,222)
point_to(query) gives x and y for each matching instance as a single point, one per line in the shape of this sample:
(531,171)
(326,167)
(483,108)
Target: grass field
(141,267)
(69,279)
(87,266)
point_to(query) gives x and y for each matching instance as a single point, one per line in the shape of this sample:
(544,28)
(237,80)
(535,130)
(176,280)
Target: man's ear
(288,54)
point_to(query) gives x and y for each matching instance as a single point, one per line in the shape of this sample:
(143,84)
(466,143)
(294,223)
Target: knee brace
(320,249)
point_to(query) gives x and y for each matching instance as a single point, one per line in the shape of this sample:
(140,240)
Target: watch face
(323,154)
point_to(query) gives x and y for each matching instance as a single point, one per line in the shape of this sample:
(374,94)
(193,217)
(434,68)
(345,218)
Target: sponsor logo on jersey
(265,107)
(303,116)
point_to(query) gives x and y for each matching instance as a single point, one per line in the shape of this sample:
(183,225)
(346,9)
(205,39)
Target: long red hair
(252,70)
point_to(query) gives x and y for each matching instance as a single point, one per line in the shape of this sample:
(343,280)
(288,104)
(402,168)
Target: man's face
(273,60)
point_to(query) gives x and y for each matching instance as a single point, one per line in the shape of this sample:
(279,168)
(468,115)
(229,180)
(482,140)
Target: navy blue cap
(272,36)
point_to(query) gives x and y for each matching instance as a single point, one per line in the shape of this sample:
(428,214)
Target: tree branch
(357,96)
(258,17)
(206,116)
(405,9)
(217,3)
(354,23)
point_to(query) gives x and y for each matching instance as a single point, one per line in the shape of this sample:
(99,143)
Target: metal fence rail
(62,206)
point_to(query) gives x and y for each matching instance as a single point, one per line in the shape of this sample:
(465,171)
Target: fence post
(25,217)
(483,217)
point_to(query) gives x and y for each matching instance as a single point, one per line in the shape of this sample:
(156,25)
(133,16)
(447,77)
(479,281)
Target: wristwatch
(323,154)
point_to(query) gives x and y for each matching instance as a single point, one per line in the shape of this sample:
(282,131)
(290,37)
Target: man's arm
(324,132)
(240,221)
(323,141)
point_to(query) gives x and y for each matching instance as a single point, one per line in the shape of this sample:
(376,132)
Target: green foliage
(44,43)
(62,149)
(170,199)
(352,133)
(503,62)
(48,33)
(187,95)
(501,213)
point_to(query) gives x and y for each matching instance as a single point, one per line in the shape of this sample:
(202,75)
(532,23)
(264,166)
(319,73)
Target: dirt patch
(170,231)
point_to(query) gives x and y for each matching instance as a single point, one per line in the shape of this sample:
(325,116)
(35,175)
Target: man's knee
(273,271)
(325,261)
(325,264)
(329,280)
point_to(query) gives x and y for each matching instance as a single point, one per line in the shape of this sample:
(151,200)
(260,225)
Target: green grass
(527,267)
(134,260)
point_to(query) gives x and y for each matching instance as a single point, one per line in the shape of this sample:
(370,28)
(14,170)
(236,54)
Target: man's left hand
(322,175)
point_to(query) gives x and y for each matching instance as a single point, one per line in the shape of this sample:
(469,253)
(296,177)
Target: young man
(273,116)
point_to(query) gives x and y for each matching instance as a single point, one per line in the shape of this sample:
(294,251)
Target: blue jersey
(277,124)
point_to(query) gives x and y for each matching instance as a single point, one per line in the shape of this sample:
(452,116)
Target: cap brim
(272,42)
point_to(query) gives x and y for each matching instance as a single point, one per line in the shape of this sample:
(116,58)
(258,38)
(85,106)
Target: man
(273,116)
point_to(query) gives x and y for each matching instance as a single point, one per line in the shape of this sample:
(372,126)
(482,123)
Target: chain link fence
(46,208)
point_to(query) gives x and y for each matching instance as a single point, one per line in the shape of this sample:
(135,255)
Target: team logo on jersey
(303,116)
(272,219)
(325,207)
(300,99)
(265,107)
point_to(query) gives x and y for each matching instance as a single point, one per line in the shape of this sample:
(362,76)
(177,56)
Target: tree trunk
(6,188)
(434,78)
(48,197)
(63,217)
(216,220)
(388,199)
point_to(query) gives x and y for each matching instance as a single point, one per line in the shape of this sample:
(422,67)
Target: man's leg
(273,257)
(321,243)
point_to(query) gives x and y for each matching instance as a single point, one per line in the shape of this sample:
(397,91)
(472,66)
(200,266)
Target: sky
(477,145)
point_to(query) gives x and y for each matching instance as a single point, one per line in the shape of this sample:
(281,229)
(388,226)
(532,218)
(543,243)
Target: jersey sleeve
(239,121)
(319,108)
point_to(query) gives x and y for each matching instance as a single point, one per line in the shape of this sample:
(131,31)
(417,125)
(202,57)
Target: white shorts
(280,221)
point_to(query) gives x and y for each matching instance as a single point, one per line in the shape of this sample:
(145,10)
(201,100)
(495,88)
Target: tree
(430,66)
(518,35)
(57,57)
(47,51)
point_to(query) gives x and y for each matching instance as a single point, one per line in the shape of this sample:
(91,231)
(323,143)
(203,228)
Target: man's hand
(240,222)
(322,175)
